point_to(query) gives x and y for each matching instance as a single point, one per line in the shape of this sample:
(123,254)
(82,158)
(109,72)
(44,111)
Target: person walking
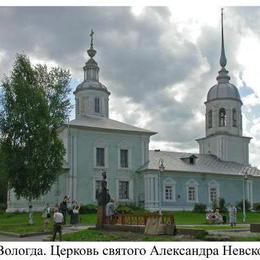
(57,225)
(232,215)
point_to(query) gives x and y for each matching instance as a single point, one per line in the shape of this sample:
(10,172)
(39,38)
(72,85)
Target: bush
(89,208)
(222,205)
(240,205)
(219,204)
(200,208)
(124,210)
(256,206)
(129,208)
(2,207)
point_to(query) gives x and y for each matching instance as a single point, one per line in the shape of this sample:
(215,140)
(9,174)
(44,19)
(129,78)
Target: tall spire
(223,73)
(91,51)
(223,60)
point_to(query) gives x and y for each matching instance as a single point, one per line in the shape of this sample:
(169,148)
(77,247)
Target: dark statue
(103,196)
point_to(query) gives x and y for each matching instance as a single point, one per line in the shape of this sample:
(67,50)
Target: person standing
(64,208)
(110,211)
(232,216)
(57,225)
(30,215)
(46,216)
(75,213)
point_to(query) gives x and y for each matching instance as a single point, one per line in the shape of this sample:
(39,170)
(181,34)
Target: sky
(157,62)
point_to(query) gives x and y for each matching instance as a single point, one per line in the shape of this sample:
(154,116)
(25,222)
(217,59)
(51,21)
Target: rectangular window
(123,190)
(98,187)
(123,158)
(213,194)
(191,194)
(97,105)
(100,157)
(168,193)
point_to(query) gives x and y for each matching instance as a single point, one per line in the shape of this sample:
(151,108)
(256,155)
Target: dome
(91,84)
(223,90)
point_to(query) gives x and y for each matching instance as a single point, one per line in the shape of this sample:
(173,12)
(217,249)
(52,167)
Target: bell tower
(91,96)
(223,118)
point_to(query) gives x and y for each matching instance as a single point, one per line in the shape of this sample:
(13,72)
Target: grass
(193,218)
(18,223)
(98,235)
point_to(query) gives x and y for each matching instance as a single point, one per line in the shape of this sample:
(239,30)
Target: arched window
(97,105)
(213,189)
(222,117)
(192,191)
(169,190)
(234,117)
(210,119)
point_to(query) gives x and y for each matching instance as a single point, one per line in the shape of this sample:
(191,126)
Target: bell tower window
(97,105)
(234,117)
(222,117)
(210,119)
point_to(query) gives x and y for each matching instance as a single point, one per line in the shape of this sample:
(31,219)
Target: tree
(34,104)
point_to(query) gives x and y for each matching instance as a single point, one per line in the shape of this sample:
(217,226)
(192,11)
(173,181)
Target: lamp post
(245,177)
(161,170)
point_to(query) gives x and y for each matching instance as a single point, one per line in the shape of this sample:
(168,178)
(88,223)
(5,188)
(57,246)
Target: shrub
(256,206)
(200,208)
(129,208)
(240,205)
(2,207)
(219,204)
(222,205)
(89,208)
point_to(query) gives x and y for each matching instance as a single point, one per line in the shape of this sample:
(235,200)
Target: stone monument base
(100,217)
(154,226)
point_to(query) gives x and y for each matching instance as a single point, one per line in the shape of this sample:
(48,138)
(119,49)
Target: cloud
(157,69)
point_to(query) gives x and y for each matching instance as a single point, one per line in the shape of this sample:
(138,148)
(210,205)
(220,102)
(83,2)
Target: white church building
(96,143)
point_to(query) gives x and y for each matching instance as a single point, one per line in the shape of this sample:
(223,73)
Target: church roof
(102,123)
(223,90)
(204,163)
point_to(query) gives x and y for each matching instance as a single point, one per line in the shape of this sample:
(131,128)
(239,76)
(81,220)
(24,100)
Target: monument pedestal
(100,217)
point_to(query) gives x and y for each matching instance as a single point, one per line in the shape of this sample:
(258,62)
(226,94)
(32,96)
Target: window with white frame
(123,191)
(100,156)
(192,191)
(213,195)
(213,188)
(169,190)
(98,187)
(124,160)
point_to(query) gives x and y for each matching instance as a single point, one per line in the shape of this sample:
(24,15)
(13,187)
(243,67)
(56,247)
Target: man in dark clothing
(64,208)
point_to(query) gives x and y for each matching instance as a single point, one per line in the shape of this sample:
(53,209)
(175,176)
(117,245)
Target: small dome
(223,90)
(91,84)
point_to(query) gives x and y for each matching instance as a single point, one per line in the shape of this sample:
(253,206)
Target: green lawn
(18,222)
(97,235)
(191,218)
